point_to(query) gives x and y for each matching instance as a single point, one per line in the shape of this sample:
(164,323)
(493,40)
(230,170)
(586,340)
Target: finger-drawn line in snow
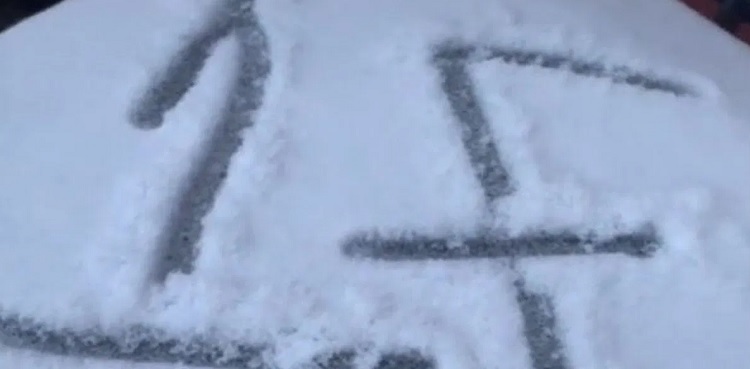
(347,359)
(198,193)
(137,344)
(180,75)
(618,74)
(146,345)
(415,246)
(537,309)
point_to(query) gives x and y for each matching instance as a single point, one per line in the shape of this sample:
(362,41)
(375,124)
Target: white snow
(355,134)
(68,79)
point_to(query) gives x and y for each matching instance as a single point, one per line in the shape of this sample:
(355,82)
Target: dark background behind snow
(13,11)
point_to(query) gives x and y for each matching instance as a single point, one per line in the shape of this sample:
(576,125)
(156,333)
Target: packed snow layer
(355,134)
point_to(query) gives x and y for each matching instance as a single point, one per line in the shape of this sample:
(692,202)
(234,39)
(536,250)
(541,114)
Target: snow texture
(181,182)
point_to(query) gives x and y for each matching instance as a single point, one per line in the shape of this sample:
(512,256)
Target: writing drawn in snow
(547,351)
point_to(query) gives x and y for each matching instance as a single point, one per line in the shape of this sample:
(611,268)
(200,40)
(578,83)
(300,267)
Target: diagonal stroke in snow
(198,193)
(452,52)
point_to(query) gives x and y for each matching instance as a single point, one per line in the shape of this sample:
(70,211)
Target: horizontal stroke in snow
(147,345)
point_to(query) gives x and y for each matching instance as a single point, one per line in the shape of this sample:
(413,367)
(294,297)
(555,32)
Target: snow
(67,144)
(355,134)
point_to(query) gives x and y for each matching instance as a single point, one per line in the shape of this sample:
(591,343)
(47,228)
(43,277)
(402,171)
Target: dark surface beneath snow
(14,11)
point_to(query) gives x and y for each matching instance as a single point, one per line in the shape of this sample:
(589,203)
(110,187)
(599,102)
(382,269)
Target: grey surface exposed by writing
(347,359)
(540,328)
(142,344)
(342,359)
(619,74)
(138,344)
(179,76)
(419,247)
(476,133)
(404,360)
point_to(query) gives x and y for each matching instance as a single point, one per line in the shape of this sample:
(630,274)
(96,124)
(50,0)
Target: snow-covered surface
(355,134)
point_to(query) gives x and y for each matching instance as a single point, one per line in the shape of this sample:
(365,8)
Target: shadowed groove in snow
(476,133)
(180,75)
(145,345)
(198,192)
(451,52)
(540,327)
(137,344)
(347,359)
(413,246)
(546,350)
